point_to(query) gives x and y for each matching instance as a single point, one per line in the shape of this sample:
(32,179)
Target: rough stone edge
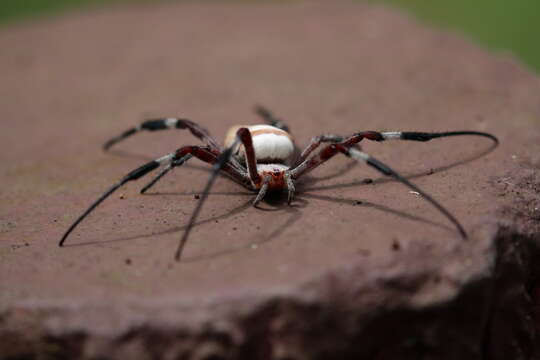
(332,315)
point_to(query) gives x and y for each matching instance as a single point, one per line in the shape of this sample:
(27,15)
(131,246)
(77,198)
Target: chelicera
(262,158)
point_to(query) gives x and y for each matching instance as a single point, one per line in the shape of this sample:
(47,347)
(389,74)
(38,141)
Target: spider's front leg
(314,143)
(185,153)
(131,176)
(202,153)
(331,150)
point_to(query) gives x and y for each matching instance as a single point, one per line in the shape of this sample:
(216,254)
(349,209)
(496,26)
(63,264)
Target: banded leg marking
(168,167)
(386,170)
(133,175)
(410,135)
(165,124)
(331,150)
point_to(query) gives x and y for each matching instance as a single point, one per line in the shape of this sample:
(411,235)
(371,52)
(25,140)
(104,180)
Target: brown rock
(321,279)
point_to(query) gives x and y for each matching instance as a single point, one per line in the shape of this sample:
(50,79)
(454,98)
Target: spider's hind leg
(165,124)
(270,119)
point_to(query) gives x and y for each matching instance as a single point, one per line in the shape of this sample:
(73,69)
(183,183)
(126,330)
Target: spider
(262,159)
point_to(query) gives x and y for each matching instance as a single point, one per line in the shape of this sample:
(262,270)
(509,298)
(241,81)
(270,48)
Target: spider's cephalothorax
(261,158)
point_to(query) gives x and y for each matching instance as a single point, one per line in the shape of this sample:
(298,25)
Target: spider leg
(386,170)
(133,175)
(290,187)
(234,170)
(311,163)
(331,150)
(408,135)
(270,119)
(164,124)
(262,191)
(308,164)
(200,152)
(168,167)
(314,143)
(243,136)
(219,164)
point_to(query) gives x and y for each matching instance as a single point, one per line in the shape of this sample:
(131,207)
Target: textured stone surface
(352,270)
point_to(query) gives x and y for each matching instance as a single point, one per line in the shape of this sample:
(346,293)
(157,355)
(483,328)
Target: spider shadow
(295,216)
(367,204)
(234,211)
(275,202)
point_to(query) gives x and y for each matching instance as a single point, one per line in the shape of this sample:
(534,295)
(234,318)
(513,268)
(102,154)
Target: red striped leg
(314,143)
(202,153)
(251,161)
(307,165)
(211,156)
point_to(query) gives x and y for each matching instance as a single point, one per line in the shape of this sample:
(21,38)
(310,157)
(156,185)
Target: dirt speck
(6,226)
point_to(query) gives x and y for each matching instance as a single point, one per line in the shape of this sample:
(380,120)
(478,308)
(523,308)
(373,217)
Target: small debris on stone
(414,193)
(196,196)
(431,171)
(122,196)
(364,252)
(396,246)
(128,261)
(6,226)
(367,181)
(358,202)
(18,246)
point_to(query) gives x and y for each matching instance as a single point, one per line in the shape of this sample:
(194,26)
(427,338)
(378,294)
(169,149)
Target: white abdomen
(271,145)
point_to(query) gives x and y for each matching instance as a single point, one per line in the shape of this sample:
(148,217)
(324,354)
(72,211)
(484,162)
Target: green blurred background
(512,25)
